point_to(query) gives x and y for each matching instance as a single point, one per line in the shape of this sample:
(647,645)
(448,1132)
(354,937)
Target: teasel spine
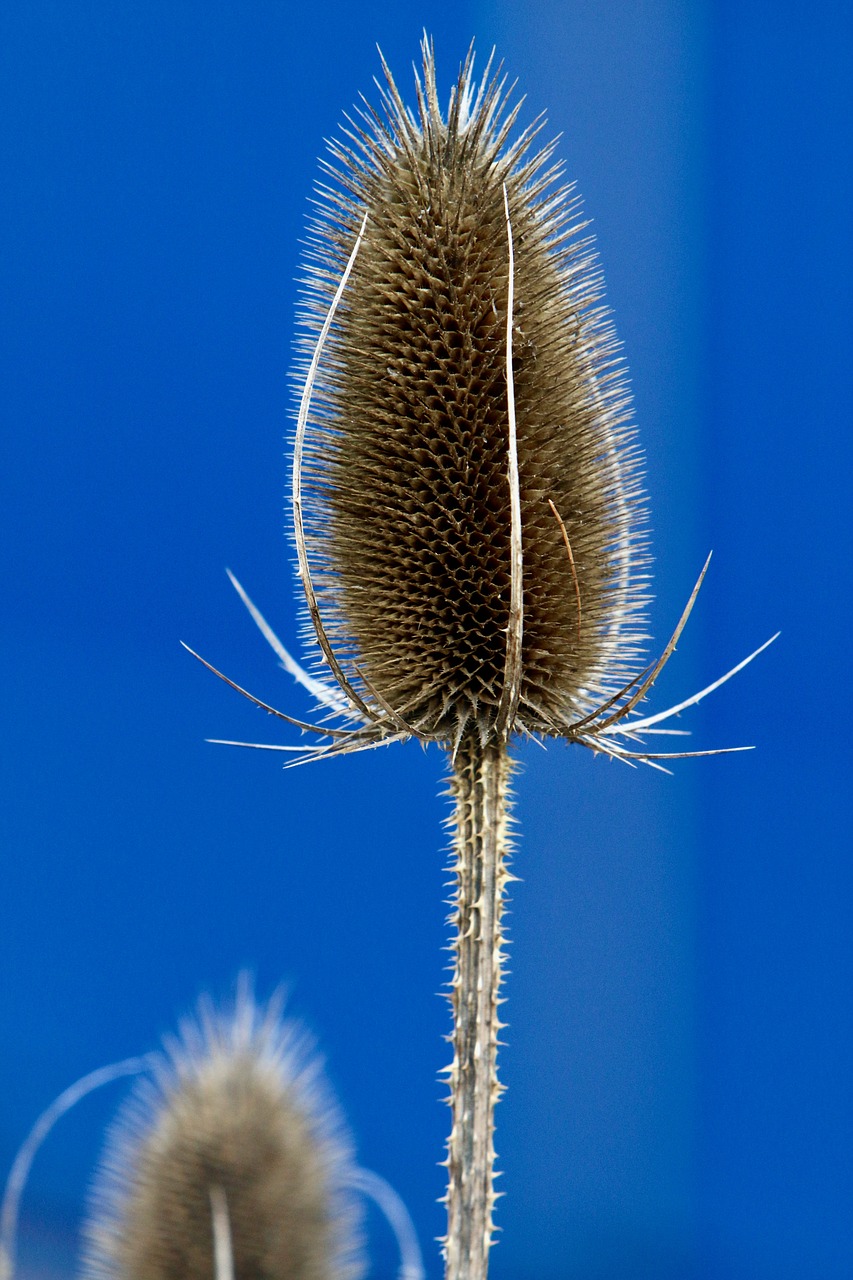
(481,848)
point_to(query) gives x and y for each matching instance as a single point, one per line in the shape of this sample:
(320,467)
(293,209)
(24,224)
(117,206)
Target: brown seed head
(406,484)
(235,1124)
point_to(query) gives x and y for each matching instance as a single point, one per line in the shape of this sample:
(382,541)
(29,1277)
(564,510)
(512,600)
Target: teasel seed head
(475,292)
(468,515)
(231,1160)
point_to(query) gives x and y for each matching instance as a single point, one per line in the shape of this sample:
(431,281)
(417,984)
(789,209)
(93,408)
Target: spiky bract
(407,498)
(236,1115)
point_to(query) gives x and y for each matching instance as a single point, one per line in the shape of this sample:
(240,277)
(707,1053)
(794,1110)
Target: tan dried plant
(468,514)
(230,1161)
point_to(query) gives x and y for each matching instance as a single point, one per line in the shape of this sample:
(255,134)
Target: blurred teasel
(469,520)
(230,1160)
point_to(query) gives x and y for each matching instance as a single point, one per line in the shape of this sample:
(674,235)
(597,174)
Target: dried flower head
(468,514)
(229,1160)
(474,299)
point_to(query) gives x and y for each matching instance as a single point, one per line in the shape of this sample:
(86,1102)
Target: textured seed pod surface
(235,1112)
(406,457)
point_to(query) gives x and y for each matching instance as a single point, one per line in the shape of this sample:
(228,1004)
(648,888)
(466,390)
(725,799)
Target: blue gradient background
(680,1053)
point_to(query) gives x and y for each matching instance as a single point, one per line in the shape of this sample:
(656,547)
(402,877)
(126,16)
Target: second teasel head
(407,485)
(232,1143)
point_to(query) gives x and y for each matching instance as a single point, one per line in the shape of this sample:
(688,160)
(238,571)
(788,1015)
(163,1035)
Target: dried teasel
(230,1159)
(450,542)
(468,515)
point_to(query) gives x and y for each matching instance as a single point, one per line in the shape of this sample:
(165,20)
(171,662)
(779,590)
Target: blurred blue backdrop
(680,1052)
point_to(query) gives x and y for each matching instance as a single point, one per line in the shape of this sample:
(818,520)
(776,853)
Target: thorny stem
(480,788)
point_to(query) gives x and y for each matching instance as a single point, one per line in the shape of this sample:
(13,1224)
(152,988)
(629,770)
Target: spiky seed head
(236,1122)
(408,505)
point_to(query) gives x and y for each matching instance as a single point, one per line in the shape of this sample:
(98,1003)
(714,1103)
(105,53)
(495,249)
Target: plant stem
(480,788)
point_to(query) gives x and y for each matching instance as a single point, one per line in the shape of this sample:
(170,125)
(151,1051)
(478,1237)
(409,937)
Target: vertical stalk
(480,788)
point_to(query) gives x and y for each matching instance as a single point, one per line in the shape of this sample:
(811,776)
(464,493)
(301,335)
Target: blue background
(680,1052)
